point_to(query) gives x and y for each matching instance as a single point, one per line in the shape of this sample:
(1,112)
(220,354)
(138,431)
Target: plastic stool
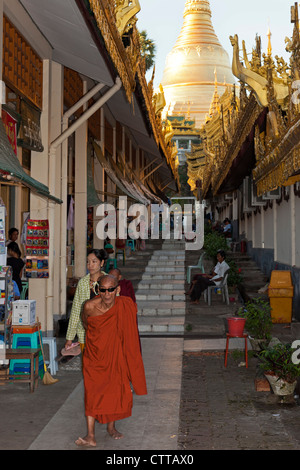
(246,347)
(111,260)
(23,341)
(131,243)
(51,341)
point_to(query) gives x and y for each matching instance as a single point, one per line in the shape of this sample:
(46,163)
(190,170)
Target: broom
(47,379)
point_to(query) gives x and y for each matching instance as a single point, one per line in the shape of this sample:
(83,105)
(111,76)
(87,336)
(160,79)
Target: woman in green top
(86,289)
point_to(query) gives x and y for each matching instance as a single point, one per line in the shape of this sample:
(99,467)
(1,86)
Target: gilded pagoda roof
(189,74)
(262,133)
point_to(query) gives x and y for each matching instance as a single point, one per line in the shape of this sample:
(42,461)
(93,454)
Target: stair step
(162,284)
(166,262)
(164,308)
(160,295)
(168,253)
(161,324)
(164,269)
(165,275)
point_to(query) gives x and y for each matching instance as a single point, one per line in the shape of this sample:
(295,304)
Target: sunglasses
(110,289)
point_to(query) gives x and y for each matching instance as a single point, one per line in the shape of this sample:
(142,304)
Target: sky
(163,19)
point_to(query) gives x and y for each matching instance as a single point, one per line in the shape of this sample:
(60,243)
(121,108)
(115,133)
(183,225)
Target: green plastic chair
(109,262)
(197,266)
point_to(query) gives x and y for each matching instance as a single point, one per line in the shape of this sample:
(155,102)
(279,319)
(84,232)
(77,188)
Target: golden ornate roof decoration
(255,77)
(125,11)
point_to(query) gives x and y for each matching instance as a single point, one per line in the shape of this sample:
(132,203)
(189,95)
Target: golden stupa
(189,78)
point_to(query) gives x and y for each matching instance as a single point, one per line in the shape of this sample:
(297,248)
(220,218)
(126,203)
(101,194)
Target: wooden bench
(33,355)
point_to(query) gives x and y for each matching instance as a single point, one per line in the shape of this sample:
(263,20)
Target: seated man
(227,228)
(203,281)
(125,285)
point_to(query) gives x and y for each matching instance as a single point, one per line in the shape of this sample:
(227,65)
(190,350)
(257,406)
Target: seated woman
(204,281)
(15,261)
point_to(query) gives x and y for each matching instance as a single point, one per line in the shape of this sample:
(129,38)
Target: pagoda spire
(269,35)
(215,103)
(189,74)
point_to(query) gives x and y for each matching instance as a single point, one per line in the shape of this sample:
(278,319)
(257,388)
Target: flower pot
(279,386)
(258,344)
(236,326)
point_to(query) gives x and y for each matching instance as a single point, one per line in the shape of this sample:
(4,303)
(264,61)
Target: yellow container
(281,294)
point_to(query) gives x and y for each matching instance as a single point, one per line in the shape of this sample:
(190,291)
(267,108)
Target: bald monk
(126,287)
(111,360)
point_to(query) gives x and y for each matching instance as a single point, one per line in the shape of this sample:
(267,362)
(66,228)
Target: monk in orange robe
(112,359)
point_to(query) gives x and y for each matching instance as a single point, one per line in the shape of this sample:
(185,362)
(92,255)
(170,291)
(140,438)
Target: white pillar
(80,216)
(262,218)
(293,225)
(43,168)
(1,40)
(275,231)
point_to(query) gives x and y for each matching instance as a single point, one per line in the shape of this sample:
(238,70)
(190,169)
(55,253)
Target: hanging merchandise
(10,125)
(2,236)
(37,249)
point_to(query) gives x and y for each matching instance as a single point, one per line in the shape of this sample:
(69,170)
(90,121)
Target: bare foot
(196,302)
(86,442)
(114,433)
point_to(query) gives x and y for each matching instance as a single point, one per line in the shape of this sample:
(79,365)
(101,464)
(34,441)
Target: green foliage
(278,360)
(234,277)
(258,318)
(148,49)
(214,242)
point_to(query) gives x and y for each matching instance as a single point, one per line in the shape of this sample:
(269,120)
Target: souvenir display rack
(7,297)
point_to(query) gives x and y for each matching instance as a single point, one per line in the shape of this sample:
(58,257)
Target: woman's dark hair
(13,246)
(12,230)
(100,254)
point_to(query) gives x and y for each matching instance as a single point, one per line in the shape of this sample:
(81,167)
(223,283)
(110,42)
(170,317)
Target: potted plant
(257,313)
(235,277)
(279,368)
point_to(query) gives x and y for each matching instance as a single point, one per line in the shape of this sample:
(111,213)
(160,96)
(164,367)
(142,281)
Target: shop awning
(113,172)
(12,168)
(92,196)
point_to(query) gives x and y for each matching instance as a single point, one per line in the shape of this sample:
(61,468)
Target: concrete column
(80,216)
(99,182)
(1,42)
(293,225)
(262,218)
(253,237)
(275,207)
(18,202)
(45,170)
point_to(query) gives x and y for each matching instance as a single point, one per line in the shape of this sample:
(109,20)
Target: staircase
(253,278)
(160,294)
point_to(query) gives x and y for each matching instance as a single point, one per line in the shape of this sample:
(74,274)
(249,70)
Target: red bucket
(236,326)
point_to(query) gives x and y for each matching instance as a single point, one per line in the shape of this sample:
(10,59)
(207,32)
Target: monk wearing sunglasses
(112,359)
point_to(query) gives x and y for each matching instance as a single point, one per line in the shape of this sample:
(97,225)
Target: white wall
(268,236)
(284,249)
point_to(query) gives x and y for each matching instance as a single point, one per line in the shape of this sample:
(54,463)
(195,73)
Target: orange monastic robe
(111,361)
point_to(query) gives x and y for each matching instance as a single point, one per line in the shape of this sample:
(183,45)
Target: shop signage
(37,249)
(10,125)
(30,129)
